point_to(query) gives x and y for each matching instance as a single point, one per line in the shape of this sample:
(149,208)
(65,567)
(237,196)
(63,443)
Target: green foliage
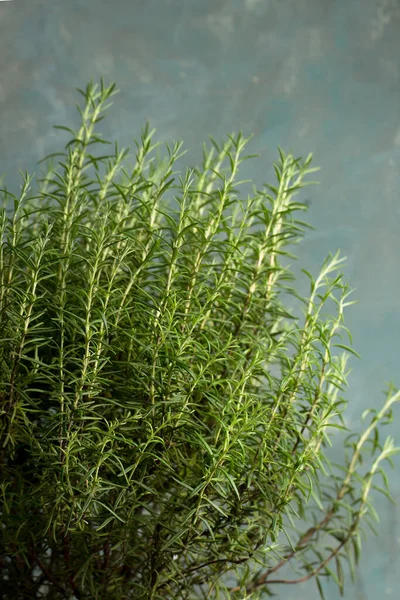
(163,414)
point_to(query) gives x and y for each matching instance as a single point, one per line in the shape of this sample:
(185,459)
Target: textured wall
(319,75)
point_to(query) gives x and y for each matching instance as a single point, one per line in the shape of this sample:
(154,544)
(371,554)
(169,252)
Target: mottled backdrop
(308,75)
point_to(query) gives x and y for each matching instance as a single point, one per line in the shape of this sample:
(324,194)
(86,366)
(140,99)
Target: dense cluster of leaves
(163,415)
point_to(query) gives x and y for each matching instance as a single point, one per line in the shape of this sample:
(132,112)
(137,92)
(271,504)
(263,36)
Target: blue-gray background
(308,75)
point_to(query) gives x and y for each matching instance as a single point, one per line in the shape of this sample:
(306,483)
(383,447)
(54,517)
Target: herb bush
(163,414)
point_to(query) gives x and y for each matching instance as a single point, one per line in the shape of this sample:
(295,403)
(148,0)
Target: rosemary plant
(164,416)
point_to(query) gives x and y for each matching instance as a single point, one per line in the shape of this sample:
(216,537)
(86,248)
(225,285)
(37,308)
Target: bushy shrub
(163,413)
